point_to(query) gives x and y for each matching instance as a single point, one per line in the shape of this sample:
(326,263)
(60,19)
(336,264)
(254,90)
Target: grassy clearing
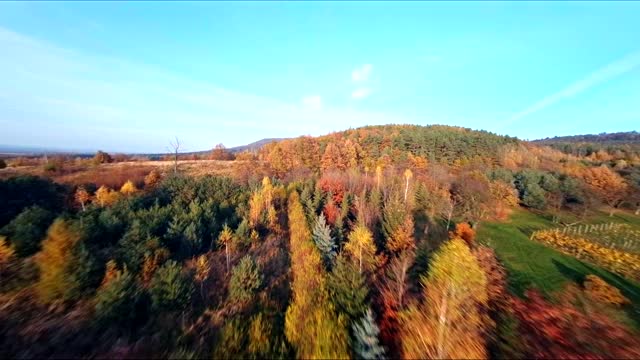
(531,264)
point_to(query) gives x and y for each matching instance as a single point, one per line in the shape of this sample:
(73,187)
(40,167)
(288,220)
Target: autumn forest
(395,241)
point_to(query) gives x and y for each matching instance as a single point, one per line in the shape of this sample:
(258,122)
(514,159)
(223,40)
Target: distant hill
(603,138)
(584,145)
(254,145)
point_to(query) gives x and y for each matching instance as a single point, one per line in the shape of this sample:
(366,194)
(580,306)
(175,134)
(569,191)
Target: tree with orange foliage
(82,197)
(401,238)
(465,232)
(152,179)
(607,184)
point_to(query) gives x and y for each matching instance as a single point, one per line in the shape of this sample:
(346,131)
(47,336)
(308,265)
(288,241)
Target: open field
(530,263)
(115,174)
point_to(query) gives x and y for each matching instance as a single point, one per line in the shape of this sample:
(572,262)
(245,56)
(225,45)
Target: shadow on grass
(630,290)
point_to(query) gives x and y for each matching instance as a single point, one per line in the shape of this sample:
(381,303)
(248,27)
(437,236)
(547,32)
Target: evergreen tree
(323,240)
(365,334)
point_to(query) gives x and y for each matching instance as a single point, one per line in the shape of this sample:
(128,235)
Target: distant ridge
(602,138)
(254,145)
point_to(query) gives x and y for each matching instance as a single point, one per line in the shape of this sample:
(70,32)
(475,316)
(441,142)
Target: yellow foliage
(360,247)
(599,290)
(7,254)
(128,188)
(55,261)
(449,323)
(152,179)
(311,323)
(82,196)
(106,196)
(621,262)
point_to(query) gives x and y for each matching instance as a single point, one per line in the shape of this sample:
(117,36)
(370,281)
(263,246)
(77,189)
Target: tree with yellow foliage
(361,248)
(402,237)
(7,257)
(128,188)
(407,176)
(62,263)
(448,323)
(225,238)
(312,325)
(106,196)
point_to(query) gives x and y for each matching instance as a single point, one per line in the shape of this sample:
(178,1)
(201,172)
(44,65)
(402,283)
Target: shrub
(3,164)
(169,288)
(602,292)
(245,280)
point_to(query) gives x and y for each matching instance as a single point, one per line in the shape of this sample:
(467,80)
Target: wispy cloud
(361,93)
(54,96)
(362,73)
(602,75)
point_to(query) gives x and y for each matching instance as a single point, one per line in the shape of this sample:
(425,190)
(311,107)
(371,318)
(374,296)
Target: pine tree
(323,240)
(366,334)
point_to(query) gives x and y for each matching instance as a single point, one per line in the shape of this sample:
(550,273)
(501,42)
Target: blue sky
(131,76)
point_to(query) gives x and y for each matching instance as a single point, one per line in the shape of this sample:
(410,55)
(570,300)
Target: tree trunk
(226,250)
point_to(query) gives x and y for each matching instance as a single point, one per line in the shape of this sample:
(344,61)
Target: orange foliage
(464,232)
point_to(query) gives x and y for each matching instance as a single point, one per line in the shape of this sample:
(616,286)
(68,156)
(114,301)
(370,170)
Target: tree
(152,179)
(226,238)
(407,176)
(366,334)
(175,147)
(347,288)
(607,184)
(106,196)
(360,248)
(219,152)
(82,197)
(3,164)
(116,299)
(203,268)
(312,325)
(7,258)
(395,282)
(170,289)
(465,232)
(128,188)
(402,238)
(448,324)
(323,240)
(245,280)
(63,263)
(102,157)
(27,230)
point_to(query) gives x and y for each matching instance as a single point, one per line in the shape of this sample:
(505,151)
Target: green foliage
(116,300)
(323,240)
(347,288)
(245,280)
(365,333)
(19,192)
(170,289)
(27,230)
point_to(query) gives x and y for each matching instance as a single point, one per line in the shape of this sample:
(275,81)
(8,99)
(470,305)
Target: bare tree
(174,147)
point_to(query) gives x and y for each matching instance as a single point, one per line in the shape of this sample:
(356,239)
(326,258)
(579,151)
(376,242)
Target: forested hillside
(394,241)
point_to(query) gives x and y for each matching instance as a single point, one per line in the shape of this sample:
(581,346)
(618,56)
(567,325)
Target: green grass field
(531,264)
